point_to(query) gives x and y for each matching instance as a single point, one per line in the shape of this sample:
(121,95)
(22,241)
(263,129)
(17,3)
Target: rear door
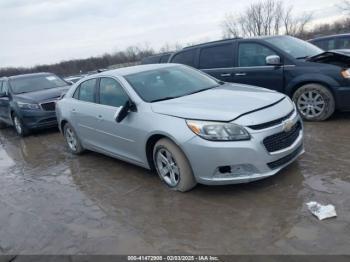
(218,61)
(83,111)
(118,139)
(251,67)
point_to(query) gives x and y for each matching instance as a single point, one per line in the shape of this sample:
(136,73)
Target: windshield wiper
(164,98)
(201,90)
(302,57)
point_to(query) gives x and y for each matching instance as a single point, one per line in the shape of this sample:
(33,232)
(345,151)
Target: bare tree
(267,17)
(295,26)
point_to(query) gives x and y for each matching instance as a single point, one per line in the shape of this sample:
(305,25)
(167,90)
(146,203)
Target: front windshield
(294,46)
(170,82)
(35,83)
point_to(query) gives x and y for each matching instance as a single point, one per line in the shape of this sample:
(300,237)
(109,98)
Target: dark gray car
(28,101)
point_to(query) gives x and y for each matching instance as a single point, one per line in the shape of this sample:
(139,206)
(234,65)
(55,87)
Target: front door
(119,139)
(251,67)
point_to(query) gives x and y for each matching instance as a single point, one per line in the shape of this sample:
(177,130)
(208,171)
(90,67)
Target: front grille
(272,123)
(50,106)
(285,160)
(282,140)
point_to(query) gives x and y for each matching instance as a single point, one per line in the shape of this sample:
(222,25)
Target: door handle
(225,75)
(240,74)
(73,110)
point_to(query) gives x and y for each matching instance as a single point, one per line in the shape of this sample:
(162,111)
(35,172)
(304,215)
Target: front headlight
(346,73)
(217,131)
(28,106)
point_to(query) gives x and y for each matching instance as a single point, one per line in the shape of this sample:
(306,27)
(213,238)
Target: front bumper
(220,163)
(38,119)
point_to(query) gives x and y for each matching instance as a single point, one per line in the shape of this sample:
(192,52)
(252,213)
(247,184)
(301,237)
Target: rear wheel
(314,102)
(172,166)
(72,140)
(20,128)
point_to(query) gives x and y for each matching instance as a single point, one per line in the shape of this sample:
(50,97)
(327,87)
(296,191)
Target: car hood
(43,95)
(224,103)
(340,57)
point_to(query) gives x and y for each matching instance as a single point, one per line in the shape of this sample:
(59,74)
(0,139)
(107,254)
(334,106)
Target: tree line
(264,17)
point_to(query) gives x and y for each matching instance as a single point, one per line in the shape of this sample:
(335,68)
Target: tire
(72,140)
(314,102)
(170,161)
(20,128)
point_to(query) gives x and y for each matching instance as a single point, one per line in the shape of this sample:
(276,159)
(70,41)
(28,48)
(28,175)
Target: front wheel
(172,166)
(314,102)
(20,128)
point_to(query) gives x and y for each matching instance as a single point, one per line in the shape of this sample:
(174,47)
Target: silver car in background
(188,126)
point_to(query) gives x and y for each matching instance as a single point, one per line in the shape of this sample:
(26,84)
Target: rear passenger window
(1,87)
(185,57)
(112,93)
(86,91)
(343,43)
(164,58)
(220,56)
(253,54)
(326,44)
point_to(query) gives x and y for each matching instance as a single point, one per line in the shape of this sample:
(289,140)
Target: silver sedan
(188,126)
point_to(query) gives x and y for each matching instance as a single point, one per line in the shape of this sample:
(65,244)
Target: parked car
(187,125)
(73,79)
(28,101)
(156,59)
(318,82)
(331,42)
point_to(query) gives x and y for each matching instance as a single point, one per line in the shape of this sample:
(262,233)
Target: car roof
(29,75)
(135,69)
(329,36)
(222,41)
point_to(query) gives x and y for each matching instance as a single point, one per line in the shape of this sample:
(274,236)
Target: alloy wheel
(18,125)
(71,139)
(167,167)
(311,104)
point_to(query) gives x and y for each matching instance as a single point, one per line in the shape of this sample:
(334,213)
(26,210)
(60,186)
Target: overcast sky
(47,31)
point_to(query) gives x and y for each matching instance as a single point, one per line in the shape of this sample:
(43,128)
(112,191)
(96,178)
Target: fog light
(236,170)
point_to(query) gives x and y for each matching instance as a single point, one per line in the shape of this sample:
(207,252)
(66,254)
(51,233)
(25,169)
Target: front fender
(310,78)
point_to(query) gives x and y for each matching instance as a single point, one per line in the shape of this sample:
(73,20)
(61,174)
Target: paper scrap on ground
(321,211)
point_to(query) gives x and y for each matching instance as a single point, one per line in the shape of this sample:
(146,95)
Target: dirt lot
(54,203)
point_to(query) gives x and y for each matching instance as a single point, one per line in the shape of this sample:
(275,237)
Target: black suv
(331,42)
(28,101)
(318,81)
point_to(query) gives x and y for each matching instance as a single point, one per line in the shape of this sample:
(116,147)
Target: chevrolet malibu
(188,126)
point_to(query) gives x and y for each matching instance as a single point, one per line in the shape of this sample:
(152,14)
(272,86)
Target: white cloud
(47,31)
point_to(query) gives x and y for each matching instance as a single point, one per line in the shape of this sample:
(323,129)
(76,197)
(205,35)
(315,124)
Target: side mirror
(124,111)
(273,60)
(3,94)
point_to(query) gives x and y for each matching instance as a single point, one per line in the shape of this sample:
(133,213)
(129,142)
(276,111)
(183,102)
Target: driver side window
(112,93)
(253,54)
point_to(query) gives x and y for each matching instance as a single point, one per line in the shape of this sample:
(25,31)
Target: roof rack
(211,42)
